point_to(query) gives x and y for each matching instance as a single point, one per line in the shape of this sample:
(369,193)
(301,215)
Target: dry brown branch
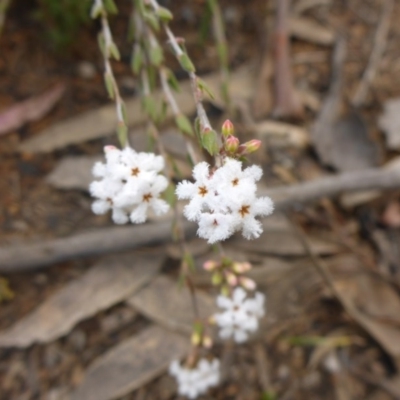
(376,54)
(29,256)
(303,193)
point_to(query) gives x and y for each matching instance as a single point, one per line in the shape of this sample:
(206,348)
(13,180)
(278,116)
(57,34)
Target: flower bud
(109,148)
(242,267)
(249,147)
(210,265)
(232,144)
(247,283)
(231,278)
(216,278)
(227,128)
(195,339)
(207,342)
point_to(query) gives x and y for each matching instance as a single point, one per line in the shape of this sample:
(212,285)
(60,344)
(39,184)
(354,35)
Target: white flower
(224,201)
(196,381)
(215,227)
(240,316)
(201,192)
(129,185)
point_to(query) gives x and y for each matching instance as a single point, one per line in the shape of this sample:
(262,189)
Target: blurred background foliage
(62,20)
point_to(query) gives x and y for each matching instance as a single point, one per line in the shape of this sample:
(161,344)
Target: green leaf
(184,125)
(152,21)
(209,141)
(189,260)
(95,12)
(156,55)
(109,82)
(122,133)
(149,105)
(102,44)
(164,14)
(172,81)
(114,52)
(204,87)
(110,6)
(123,112)
(186,63)
(137,59)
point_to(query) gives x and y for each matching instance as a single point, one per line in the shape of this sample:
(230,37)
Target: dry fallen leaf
(164,302)
(351,147)
(30,110)
(73,172)
(374,304)
(311,31)
(131,364)
(107,283)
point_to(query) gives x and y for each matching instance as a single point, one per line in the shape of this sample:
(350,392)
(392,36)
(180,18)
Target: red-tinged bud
(232,144)
(240,268)
(210,265)
(249,147)
(109,148)
(207,342)
(247,283)
(227,128)
(231,278)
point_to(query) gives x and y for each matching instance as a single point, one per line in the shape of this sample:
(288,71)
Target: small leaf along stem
(208,137)
(110,50)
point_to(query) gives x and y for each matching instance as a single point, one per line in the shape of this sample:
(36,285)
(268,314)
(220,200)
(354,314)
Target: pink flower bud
(232,144)
(109,148)
(227,128)
(247,283)
(249,147)
(231,278)
(240,268)
(210,265)
(207,342)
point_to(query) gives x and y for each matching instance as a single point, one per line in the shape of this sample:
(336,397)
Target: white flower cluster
(196,381)
(241,314)
(225,201)
(129,184)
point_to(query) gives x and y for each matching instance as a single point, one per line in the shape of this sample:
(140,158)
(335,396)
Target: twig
(110,50)
(29,256)
(376,54)
(262,366)
(25,257)
(176,111)
(295,195)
